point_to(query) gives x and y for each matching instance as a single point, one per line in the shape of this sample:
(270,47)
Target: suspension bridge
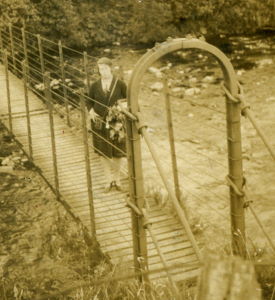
(47,116)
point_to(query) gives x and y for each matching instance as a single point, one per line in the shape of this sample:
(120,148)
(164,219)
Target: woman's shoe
(108,187)
(118,187)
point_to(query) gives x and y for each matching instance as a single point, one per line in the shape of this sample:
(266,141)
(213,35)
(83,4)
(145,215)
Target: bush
(99,23)
(16,12)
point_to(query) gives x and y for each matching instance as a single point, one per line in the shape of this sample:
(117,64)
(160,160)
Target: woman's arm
(90,103)
(123,89)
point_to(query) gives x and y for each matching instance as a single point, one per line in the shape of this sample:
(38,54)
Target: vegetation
(93,23)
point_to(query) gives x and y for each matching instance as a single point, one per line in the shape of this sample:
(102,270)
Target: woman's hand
(122,103)
(93,115)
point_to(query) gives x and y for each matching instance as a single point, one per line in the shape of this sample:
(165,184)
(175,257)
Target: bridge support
(233,116)
(137,197)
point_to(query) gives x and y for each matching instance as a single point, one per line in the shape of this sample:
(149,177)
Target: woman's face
(105,71)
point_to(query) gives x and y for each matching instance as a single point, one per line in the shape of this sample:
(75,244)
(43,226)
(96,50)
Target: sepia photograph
(137,149)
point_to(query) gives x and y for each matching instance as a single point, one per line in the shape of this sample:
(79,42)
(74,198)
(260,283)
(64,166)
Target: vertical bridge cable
(143,131)
(247,113)
(88,164)
(5,59)
(172,140)
(11,44)
(147,225)
(248,203)
(61,61)
(48,97)
(25,82)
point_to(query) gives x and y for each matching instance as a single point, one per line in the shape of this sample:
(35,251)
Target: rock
(177,90)
(208,79)
(107,50)
(6,169)
(240,72)
(270,99)
(192,91)
(128,72)
(263,62)
(155,71)
(5,161)
(193,80)
(157,86)
(16,158)
(167,67)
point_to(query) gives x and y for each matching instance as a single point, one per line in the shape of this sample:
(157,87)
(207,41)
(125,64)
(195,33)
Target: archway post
(233,116)
(136,195)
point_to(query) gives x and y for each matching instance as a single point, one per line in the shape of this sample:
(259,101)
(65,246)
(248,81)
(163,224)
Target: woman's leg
(107,168)
(116,170)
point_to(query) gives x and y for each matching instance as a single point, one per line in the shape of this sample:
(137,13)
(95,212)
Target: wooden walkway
(112,217)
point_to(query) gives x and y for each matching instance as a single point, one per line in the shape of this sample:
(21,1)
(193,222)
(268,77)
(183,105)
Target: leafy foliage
(95,23)
(16,11)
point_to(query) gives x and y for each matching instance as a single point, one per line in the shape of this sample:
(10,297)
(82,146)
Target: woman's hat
(104,61)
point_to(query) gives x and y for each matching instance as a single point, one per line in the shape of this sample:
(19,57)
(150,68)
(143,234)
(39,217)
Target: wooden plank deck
(112,217)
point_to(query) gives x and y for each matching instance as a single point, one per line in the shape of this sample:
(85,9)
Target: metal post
(137,197)
(8,88)
(40,48)
(85,61)
(12,47)
(48,97)
(61,60)
(25,46)
(1,47)
(26,96)
(88,163)
(172,140)
(233,116)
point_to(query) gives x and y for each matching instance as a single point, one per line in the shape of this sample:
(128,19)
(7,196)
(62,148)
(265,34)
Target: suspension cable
(247,113)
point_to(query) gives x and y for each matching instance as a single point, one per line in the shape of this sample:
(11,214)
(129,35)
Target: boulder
(208,79)
(155,71)
(157,86)
(263,62)
(192,91)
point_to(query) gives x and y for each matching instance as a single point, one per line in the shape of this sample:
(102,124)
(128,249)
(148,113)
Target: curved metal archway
(233,115)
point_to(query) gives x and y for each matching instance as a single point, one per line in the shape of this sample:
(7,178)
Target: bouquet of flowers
(115,122)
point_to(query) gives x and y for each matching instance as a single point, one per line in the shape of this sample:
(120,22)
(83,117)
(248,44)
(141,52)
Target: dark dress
(99,100)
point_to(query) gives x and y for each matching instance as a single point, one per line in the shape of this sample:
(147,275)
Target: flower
(115,122)
(40,87)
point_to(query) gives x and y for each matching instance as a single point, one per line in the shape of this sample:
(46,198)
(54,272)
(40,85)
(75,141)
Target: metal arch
(175,45)
(233,113)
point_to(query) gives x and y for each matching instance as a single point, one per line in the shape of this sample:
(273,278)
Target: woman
(104,94)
